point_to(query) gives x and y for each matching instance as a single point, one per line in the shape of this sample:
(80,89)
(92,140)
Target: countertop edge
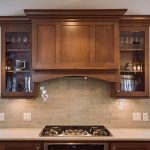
(32,134)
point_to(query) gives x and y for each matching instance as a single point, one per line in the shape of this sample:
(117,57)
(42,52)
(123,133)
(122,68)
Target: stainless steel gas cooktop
(74,131)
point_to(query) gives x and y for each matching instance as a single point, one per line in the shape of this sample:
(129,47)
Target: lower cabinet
(130,146)
(21,146)
(28,145)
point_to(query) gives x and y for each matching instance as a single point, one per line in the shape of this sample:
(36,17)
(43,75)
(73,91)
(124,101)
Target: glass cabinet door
(18,77)
(134,55)
(132,61)
(18,82)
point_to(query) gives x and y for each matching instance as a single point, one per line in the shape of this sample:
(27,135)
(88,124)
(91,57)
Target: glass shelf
(14,71)
(129,50)
(131,71)
(18,50)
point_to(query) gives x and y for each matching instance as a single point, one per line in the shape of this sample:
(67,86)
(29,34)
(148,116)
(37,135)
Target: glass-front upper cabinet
(16,62)
(132,61)
(134,57)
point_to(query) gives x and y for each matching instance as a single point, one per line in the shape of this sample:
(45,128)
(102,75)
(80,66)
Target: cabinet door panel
(21,146)
(46,50)
(130,146)
(75,44)
(104,44)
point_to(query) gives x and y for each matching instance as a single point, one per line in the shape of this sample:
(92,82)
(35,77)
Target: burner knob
(103,133)
(100,133)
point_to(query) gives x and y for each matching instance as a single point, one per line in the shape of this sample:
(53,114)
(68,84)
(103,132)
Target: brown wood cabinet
(134,59)
(21,146)
(75,42)
(16,78)
(75,45)
(37,145)
(130,146)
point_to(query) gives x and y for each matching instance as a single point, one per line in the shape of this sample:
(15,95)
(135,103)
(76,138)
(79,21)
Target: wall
(74,101)
(14,8)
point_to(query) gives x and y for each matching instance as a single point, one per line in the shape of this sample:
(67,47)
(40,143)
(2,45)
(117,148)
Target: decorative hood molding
(75,13)
(75,42)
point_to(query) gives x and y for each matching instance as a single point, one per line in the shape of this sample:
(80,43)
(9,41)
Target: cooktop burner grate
(75,131)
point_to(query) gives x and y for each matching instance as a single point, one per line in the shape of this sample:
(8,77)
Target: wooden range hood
(75,43)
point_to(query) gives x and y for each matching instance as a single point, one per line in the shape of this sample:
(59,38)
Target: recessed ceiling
(16,7)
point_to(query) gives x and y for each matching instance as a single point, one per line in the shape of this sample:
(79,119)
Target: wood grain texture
(75,44)
(42,75)
(104,44)
(74,13)
(46,51)
(22,20)
(80,44)
(130,146)
(14,145)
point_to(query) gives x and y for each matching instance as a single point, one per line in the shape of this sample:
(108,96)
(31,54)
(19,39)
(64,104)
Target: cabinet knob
(114,148)
(118,90)
(37,147)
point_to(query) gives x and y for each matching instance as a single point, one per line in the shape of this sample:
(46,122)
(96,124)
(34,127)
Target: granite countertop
(118,134)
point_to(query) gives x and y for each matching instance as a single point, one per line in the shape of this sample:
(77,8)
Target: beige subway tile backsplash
(74,101)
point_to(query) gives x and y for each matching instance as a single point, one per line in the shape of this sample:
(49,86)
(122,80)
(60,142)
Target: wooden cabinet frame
(134,24)
(12,24)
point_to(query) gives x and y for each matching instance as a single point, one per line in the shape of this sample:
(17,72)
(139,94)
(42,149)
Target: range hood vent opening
(43,75)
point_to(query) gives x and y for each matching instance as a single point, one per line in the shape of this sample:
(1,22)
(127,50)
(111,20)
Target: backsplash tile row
(74,101)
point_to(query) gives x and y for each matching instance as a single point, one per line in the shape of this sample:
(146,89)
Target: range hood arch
(43,75)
